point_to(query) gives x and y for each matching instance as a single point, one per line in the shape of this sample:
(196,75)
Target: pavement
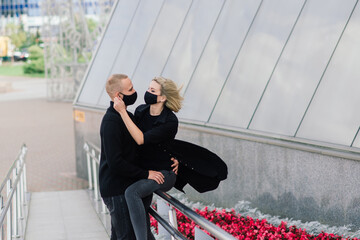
(60,207)
(46,127)
(63,215)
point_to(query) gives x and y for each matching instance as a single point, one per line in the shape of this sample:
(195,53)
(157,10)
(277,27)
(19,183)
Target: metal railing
(93,159)
(14,203)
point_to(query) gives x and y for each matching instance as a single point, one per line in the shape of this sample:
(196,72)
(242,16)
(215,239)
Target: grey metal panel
(356,141)
(301,66)
(217,59)
(191,40)
(334,114)
(256,62)
(130,52)
(106,53)
(160,43)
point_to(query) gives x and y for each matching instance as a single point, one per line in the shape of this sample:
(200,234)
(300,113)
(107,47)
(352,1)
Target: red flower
(246,228)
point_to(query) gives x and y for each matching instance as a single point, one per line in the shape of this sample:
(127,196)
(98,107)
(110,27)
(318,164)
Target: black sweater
(118,168)
(159,132)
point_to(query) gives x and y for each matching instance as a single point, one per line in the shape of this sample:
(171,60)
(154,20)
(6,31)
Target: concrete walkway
(46,127)
(63,215)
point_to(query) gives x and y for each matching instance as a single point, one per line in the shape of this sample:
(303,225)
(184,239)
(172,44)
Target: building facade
(270,86)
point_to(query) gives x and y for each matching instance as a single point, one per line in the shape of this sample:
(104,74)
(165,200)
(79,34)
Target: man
(118,168)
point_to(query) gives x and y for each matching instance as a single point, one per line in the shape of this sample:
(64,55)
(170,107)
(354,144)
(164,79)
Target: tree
(16,34)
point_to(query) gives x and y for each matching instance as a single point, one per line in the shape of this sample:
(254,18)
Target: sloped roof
(282,67)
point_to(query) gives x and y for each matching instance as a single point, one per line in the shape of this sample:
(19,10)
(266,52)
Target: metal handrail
(93,156)
(166,225)
(10,171)
(199,220)
(15,209)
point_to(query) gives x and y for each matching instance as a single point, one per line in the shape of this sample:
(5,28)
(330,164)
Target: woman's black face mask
(129,99)
(150,98)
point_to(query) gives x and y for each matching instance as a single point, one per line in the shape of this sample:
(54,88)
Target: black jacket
(199,167)
(118,167)
(153,153)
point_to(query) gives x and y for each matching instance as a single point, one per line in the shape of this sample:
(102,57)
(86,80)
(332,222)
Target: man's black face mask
(129,99)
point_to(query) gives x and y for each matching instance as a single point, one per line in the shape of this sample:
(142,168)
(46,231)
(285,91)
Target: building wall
(282,181)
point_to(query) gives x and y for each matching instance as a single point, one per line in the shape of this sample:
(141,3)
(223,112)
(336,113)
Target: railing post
(9,214)
(25,182)
(22,182)
(18,198)
(163,210)
(104,208)
(14,207)
(172,219)
(96,185)
(1,209)
(21,189)
(86,147)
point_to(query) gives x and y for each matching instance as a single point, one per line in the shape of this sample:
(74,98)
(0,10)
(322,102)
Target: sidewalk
(46,127)
(64,215)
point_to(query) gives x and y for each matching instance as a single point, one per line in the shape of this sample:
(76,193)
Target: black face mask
(129,99)
(150,98)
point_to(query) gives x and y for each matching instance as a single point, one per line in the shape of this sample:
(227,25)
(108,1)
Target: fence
(14,204)
(169,224)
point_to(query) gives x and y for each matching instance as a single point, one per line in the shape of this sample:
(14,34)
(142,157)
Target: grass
(16,69)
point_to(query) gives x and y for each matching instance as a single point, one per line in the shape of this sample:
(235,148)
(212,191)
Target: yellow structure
(4,46)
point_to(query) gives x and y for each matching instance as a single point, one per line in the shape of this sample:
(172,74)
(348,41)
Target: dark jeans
(134,195)
(121,228)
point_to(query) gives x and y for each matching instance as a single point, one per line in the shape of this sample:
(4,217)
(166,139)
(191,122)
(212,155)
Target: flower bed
(246,228)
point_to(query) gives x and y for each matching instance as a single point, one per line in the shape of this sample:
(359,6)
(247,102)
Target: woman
(156,127)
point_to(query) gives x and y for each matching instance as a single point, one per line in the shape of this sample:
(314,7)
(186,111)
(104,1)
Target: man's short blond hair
(113,84)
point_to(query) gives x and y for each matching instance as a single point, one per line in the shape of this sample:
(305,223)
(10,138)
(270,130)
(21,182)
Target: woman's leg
(134,194)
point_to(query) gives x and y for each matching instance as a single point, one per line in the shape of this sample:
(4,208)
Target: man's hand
(119,104)
(156,176)
(175,166)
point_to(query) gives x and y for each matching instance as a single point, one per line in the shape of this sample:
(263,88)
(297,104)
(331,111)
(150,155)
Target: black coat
(198,167)
(117,168)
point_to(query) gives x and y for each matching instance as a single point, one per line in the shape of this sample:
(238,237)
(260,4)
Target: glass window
(334,115)
(160,43)
(107,50)
(128,55)
(218,56)
(301,66)
(256,62)
(191,40)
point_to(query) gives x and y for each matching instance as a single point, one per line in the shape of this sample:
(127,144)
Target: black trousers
(121,228)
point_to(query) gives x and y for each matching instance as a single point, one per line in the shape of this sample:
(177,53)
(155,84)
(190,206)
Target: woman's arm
(135,132)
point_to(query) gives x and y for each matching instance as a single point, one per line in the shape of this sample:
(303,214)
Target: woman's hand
(156,176)
(119,105)
(175,166)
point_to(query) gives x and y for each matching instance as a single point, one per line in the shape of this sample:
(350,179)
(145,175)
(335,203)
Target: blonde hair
(113,84)
(172,93)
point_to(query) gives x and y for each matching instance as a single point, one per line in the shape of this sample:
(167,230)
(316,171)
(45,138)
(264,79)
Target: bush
(35,52)
(35,66)
(36,61)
